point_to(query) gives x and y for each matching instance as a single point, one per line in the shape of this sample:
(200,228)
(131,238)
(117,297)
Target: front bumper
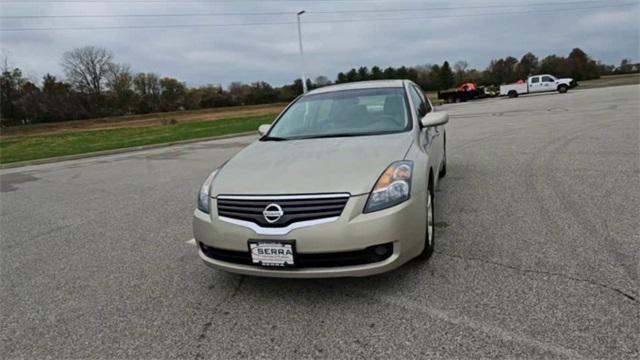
(402,225)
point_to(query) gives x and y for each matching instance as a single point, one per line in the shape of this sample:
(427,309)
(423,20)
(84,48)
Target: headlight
(392,188)
(203,195)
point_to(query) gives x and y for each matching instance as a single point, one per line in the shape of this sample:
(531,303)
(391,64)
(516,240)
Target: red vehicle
(465,92)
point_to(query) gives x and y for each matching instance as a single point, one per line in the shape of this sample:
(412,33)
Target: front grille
(369,255)
(294,209)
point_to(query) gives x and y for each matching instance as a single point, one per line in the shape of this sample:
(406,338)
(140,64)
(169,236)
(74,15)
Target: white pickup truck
(538,83)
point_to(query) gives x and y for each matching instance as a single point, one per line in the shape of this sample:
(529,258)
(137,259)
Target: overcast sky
(220,55)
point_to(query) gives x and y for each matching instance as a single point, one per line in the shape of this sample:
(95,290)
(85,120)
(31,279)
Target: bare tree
(120,85)
(147,86)
(119,77)
(5,64)
(86,68)
(460,66)
(323,80)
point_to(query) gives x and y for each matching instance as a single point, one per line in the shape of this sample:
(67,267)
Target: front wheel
(563,89)
(430,233)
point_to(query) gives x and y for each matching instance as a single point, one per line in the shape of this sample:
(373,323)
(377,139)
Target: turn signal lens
(392,188)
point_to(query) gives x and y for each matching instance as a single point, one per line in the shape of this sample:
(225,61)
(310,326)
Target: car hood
(565,80)
(328,165)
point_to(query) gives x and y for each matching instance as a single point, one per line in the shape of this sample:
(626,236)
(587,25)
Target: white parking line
(191,241)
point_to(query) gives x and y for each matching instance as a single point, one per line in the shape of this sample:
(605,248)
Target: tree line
(578,65)
(95,85)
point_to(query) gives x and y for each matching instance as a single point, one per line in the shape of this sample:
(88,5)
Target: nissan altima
(341,184)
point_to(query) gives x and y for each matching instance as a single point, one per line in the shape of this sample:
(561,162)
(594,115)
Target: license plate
(280,253)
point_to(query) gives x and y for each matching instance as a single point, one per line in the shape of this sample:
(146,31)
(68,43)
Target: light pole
(304,80)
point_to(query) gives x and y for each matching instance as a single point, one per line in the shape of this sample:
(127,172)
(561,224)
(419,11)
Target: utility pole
(304,79)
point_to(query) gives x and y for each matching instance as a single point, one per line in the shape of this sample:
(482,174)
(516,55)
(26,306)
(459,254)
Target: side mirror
(263,129)
(434,119)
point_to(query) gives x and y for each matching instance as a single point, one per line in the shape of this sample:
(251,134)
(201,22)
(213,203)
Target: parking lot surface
(537,253)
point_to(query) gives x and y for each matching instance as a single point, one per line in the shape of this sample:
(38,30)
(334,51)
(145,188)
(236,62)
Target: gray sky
(220,55)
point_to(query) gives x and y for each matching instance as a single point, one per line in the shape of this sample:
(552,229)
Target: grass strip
(80,142)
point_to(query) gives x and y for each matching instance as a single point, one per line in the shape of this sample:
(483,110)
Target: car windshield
(344,113)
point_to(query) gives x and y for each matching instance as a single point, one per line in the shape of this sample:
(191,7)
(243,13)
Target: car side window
(535,80)
(547,79)
(418,100)
(424,100)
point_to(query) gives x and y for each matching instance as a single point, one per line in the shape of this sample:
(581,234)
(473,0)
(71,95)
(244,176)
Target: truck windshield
(344,113)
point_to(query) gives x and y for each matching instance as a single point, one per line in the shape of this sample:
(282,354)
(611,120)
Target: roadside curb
(119,151)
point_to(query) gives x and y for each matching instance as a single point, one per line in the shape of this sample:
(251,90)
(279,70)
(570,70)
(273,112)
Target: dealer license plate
(272,253)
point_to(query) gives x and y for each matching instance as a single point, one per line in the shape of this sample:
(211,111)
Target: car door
(433,137)
(535,85)
(548,83)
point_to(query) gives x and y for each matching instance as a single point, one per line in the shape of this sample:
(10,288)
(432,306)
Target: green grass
(45,146)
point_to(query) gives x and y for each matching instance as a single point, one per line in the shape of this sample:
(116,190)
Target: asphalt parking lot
(537,253)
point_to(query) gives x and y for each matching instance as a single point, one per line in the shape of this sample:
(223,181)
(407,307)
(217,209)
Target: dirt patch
(142,120)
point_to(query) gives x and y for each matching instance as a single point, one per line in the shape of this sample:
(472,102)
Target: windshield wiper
(274,138)
(331,136)
(277,138)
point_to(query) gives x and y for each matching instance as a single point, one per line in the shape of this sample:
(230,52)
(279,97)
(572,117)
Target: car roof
(370,84)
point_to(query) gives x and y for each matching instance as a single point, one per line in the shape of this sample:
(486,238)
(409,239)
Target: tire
(512,94)
(562,89)
(429,237)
